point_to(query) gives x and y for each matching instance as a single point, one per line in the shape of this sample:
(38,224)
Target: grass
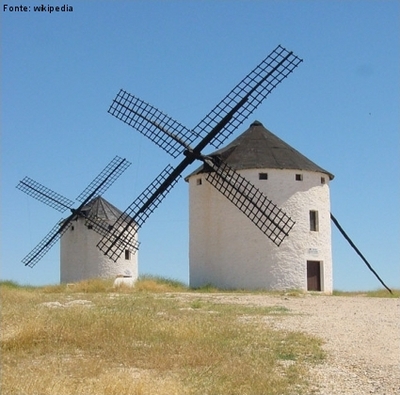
(144,284)
(89,338)
(378,293)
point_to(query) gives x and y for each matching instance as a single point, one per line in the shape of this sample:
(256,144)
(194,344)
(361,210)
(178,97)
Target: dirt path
(361,334)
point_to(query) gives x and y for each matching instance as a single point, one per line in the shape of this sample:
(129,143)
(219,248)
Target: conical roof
(258,148)
(101,208)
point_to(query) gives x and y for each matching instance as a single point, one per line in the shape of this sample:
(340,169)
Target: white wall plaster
(228,251)
(80,259)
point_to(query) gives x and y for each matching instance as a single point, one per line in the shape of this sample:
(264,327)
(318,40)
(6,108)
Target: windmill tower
(227,251)
(80,259)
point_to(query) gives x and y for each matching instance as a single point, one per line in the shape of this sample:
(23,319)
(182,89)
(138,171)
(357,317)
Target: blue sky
(340,108)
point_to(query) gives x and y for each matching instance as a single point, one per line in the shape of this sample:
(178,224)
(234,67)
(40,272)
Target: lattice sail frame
(105,179)
(215,128)
(147,120)
(45,245)
(103,228)
(44,194)
(266,215)
(127,225)
(254,88)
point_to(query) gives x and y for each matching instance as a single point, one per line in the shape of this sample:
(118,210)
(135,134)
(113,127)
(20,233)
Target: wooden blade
(167,133)
(248,94)
(266,215)
(44,194)
(126,226)
(105,179)
(49,240)
(103,228)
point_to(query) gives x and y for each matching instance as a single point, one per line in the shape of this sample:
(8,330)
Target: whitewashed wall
(80,259)
(228,251)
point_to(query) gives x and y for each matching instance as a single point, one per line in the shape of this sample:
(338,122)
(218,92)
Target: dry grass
(378,293)
(144,284)
(90,339)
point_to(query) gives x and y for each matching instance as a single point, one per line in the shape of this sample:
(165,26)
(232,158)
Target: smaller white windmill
(80,259)
(80,231)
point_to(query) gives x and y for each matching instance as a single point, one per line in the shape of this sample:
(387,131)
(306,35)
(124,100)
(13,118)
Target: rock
(124,282)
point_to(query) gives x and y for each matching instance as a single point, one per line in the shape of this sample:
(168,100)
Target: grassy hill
(89,338)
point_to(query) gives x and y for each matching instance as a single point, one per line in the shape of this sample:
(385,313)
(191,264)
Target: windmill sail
(266,215)
(149,121)
(251,91)
(44,194)
(48,241)
(103,228)
(126,226)
(105,179)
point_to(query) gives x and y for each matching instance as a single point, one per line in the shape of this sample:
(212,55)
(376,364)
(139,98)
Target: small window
(299,177)
(72,227)
(263,176)
(127,255)
(90,226)
(198,181)
(314,226)
(323,180)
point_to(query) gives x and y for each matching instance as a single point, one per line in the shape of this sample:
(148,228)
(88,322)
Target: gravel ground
(361,334)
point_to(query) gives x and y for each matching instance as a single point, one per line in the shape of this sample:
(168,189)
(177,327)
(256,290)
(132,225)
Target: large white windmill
(270,212)
(228,251)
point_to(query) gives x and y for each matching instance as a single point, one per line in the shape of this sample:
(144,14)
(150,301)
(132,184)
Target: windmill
(214,129)
(96,188)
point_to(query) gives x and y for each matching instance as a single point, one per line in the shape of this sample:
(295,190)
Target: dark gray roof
(258,148)
(101,208)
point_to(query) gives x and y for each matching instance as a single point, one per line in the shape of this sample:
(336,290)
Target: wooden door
(313,276)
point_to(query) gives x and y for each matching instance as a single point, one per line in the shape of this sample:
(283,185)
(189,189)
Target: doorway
(314,276)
